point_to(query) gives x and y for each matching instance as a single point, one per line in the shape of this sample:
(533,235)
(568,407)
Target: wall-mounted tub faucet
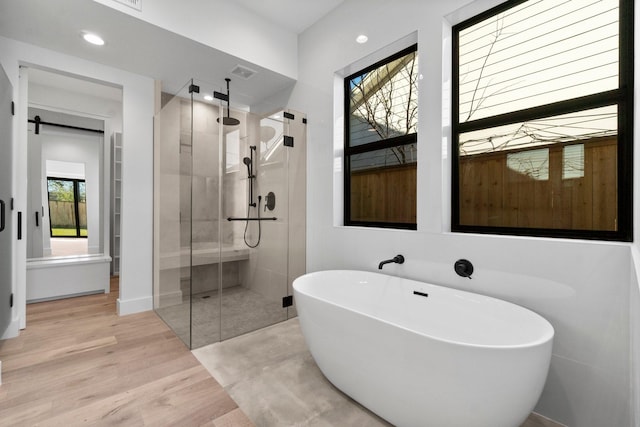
(398,259)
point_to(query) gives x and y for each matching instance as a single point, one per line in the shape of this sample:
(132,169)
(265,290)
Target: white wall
(634,283)
(581,287)
(634,307)
(137,129)
(78,104)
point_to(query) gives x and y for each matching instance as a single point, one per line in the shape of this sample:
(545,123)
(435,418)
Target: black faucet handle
(463,268)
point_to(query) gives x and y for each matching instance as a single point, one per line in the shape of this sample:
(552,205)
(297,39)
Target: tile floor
(272,377)
(243,311)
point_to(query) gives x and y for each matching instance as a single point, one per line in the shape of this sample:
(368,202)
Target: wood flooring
(79,363)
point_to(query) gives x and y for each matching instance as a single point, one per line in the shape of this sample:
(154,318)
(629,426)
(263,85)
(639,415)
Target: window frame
(371,146)
(622,97)
(76,196)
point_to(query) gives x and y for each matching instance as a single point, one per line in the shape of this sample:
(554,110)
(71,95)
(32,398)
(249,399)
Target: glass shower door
(254,226)
(205,231)
(251,258)
(172,213)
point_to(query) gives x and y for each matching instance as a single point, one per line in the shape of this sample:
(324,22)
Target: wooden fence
(63,214)
(386,194)
(492,194)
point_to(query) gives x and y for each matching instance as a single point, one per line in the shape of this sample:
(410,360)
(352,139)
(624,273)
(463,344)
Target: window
(381,120)
(542,120)
(67,207)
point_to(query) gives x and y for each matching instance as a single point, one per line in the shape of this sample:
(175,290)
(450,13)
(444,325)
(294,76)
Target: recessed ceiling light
(208,98)
(362,38)
(93,39)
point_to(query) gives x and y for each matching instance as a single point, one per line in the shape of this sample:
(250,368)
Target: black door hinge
(288,141)
(11,300)
(289,116)
(13,108)
(221,96)
(194,88)
(287,301)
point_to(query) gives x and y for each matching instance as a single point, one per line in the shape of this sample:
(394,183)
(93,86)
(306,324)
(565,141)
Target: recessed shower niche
(224,261)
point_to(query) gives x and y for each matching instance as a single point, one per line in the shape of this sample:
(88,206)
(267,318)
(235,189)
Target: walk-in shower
(225,253)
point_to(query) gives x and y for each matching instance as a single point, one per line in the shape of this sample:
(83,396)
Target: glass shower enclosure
(229,214)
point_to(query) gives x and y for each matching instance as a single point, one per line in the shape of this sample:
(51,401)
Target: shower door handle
(2,213)
(253,219)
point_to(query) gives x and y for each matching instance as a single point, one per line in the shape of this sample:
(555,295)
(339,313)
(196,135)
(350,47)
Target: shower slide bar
(252,219)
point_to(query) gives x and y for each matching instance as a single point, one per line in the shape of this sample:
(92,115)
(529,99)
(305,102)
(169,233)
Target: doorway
(69,203)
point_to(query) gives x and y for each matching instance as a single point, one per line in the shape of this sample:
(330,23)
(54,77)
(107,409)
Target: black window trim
(372,146)
(76,194)
(622,97)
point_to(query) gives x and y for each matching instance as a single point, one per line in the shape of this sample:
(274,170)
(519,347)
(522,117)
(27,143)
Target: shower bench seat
(203,254)
(178,277)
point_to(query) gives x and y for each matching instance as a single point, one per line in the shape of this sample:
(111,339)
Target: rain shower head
(228,120)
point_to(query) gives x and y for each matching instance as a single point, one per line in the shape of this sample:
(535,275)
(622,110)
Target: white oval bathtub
(424,355)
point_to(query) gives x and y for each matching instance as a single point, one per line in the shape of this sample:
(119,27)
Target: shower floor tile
(242,311)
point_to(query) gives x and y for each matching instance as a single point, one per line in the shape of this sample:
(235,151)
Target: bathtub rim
(546,338)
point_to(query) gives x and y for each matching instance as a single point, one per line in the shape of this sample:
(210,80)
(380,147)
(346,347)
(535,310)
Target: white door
(6,177)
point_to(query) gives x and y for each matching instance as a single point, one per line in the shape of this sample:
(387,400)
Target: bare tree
(386,100)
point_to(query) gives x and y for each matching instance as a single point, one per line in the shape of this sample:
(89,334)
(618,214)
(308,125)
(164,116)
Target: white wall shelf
(116,202)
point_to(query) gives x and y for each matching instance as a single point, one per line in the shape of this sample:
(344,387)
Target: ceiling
(145,49)
(294,15)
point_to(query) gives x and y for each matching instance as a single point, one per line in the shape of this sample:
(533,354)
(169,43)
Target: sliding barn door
(6,177)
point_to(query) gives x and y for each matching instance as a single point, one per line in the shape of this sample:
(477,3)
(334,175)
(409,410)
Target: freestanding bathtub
(424,355)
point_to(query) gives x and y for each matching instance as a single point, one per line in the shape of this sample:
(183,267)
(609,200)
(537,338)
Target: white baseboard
(12,331)
(135,305)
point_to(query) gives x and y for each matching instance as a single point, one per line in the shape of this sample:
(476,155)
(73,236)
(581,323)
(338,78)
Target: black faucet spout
(398,259)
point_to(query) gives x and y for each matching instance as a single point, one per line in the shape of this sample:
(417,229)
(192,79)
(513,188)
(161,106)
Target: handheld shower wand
(247,161)
(250,176)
